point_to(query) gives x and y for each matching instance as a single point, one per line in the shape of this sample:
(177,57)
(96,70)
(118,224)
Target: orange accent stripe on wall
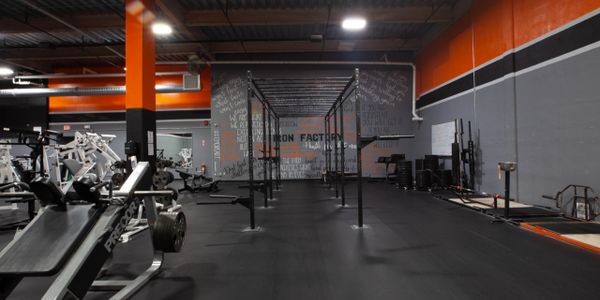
(487,28)
(199,99)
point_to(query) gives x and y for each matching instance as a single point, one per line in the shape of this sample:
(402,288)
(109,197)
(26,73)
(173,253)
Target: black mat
(416,247)
(45,246)
(571,228)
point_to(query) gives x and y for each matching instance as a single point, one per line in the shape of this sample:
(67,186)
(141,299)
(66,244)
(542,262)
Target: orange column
(139,52)
(140,98)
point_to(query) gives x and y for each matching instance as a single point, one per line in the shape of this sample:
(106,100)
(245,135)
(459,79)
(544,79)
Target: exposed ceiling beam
(175,15)
(307,46)
(24,54)
(67,24)
(102,21)
(415,14)
(199,18)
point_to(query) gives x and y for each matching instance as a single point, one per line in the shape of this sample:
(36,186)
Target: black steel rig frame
(316,97)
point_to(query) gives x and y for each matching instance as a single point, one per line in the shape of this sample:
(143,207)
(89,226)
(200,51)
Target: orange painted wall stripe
(490,25)
(200,100)
(557,236)
(534,18)
(446,57)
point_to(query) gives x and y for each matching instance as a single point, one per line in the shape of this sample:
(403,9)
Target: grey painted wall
(556,114)
(385,104)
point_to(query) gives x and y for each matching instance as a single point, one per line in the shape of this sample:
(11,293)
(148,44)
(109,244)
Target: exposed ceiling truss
(42,35)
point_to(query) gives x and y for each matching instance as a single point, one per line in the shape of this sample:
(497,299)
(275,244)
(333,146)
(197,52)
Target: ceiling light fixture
(162,29)
(354,23)
(18,81)
(5,71)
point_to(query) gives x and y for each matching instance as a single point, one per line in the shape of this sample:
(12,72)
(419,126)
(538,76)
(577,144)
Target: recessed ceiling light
(5,71)
(161,28)
(354,23)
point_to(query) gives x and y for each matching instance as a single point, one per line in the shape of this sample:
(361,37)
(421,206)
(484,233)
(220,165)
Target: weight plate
(160,179)
(168,234)
(82,187)
(118,179)
(46,191)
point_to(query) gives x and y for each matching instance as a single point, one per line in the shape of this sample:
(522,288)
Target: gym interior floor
(416,247)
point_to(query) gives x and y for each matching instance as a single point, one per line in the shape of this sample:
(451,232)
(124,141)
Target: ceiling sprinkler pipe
(85,91)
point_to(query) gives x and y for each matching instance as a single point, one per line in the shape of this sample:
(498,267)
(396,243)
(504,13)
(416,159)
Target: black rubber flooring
(571,228)
(416,247)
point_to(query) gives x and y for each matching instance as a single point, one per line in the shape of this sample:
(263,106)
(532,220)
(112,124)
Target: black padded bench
(44,247)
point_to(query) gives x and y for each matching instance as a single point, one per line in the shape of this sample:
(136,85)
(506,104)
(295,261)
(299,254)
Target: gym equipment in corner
(72,242)
(464,177)
(582,202)
(197,182)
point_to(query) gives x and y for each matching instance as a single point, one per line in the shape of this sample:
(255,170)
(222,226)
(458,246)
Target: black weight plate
(168,234)
(46,191)
(82,187)
(118,179)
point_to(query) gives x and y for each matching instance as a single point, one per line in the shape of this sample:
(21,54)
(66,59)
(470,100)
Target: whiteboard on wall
(442,137)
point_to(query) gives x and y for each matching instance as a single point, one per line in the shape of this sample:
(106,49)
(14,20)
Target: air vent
(191,82)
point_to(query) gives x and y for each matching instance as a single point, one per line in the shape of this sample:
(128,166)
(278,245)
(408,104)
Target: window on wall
(175,147)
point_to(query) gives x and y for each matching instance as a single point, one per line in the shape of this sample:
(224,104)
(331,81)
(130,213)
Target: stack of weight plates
(419,164)
(432,163)
(404,173)
(423,179)
(446,178)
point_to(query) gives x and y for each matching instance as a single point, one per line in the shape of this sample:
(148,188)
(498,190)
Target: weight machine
(85,148)
(72,242)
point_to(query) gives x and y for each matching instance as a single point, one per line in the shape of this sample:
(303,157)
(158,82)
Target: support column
(278,155)
(335,152)
(326,151)
(250,95)
(140,97)
(264,156)
(358,149)
(269,129)
(342,155)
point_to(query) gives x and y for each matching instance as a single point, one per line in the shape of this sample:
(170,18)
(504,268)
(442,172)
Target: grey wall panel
(558,108)
(556,113)
(385,106)
(494,134)
(460,107)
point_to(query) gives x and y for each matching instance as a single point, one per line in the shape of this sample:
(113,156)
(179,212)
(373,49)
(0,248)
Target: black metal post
(507,193)
(358,147)
(325,151)
(264,155)
(335,151)
(250,154)
(342,157)
(278,154)
(328,149)
(270,159)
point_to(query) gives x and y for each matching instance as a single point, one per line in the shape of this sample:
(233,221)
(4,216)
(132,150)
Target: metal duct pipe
(99,75)
(415,116)
(86,91)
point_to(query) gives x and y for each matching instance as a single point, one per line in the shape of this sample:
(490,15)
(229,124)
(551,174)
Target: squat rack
(316,97)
